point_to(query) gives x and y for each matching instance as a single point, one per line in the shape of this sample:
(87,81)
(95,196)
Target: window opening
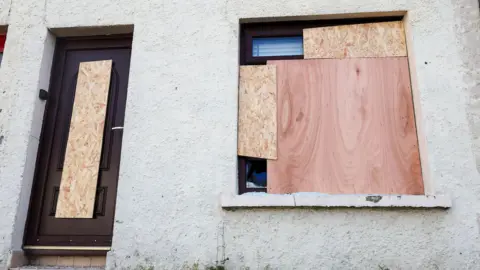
(260,42)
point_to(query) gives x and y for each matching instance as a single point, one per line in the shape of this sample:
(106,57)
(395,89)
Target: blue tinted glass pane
(256,173)
(277,46)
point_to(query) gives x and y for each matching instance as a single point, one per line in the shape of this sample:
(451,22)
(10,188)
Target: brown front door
(43,229)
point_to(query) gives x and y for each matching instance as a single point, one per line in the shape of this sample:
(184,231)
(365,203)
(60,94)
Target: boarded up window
(345,117)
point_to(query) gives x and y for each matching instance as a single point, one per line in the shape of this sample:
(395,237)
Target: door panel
(43,228)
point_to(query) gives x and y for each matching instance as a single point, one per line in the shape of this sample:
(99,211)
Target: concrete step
(56,268)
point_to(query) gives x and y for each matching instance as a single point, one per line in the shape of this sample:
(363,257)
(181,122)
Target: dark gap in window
(256,175)
(252,174)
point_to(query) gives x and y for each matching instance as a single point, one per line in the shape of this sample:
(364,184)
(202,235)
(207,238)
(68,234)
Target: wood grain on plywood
(345,126)
(82,159)
(257,113)
(386,39)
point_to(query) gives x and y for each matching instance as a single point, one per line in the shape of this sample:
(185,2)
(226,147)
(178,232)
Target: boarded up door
(44,228)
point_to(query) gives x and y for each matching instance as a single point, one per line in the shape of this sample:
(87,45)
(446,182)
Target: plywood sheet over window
(82,159)
(386,39)
(345,126)
(257,113)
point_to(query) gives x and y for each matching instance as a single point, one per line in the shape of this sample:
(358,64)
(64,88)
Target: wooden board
(257,112)
(345,126)
(386,39)
(82,159)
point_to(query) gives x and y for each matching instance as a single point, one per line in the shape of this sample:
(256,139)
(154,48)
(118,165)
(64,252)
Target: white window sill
(261,200)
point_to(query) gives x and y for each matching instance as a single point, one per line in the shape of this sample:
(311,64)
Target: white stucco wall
(179,146)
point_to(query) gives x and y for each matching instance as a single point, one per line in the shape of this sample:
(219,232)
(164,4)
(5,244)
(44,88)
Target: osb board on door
(345,126)
(385,39)
(82,159)
(257,113)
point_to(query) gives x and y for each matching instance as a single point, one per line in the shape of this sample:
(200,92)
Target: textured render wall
(179,150)
(24,69)
(467,27)
(187,114)
(4,11)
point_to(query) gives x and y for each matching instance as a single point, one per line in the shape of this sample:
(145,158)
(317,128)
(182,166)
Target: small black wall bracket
(43,94)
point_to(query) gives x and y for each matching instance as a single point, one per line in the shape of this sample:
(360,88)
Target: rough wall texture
(179,150)
(467,29)
(24,69)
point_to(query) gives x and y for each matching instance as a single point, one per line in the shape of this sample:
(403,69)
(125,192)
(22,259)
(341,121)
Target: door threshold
(69,262)
(66,250)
